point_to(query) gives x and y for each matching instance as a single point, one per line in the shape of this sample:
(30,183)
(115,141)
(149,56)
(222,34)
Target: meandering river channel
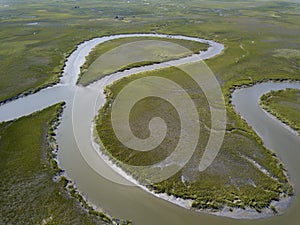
(131,202)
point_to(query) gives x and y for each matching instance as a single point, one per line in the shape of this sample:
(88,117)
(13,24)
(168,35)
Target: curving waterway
(132,202)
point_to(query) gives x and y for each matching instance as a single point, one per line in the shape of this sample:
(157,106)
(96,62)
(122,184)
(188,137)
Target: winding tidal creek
(129,201)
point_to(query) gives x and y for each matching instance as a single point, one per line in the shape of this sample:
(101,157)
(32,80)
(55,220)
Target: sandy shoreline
(235,213)
(286,126)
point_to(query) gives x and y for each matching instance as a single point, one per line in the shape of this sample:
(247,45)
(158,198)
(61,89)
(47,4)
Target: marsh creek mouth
(132,202)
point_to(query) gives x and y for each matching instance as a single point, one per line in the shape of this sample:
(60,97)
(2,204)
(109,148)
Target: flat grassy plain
(37,37)
(285,105)
(28,193)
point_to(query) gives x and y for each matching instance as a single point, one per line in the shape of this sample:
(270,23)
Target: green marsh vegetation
(37,37)
(285,105)
(28,193)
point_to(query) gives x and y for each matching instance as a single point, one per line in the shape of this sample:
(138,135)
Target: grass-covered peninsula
(285,105)
(244,174)
(93,70)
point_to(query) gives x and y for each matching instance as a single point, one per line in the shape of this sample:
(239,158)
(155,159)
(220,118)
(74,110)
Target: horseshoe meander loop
(200,73)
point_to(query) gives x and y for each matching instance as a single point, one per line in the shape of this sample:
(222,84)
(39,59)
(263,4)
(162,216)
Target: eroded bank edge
(61,175)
